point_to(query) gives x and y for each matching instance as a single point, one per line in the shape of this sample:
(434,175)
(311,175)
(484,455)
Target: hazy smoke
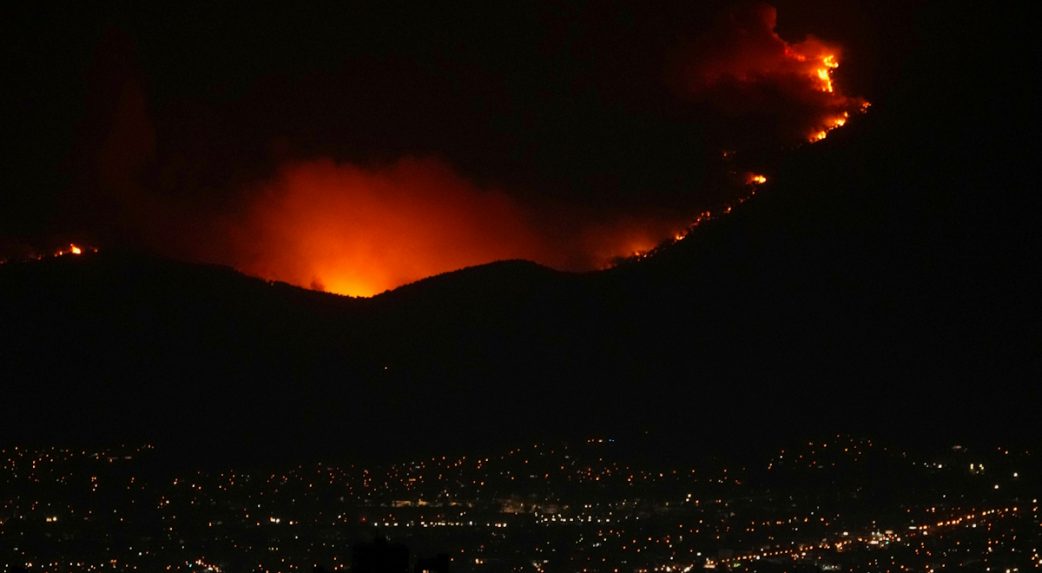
(349,229)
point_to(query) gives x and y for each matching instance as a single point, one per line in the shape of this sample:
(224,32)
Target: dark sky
(161,127)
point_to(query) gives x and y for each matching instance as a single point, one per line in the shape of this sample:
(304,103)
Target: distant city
(841,504)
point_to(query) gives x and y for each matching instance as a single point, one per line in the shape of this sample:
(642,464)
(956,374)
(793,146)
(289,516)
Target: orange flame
(745,53)
(820,71)
(824,73)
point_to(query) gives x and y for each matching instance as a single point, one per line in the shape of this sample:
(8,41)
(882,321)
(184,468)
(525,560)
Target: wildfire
(362,229)
(825,64)
(821,72)
(73,249)
(735,62)
(824,73)
(828,63)
(746,52)
(31,255)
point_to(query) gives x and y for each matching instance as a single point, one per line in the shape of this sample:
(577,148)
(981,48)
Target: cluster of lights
(702,510)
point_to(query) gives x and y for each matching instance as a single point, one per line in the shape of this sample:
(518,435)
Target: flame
(755,179)
(73,249)
(745,67)
(30,254)
(823,66)
(824,73)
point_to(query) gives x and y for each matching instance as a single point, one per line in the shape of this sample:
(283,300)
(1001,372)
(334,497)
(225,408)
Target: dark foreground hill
(831,302)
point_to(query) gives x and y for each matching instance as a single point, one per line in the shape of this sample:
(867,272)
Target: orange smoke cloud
(745,68)
(359,231)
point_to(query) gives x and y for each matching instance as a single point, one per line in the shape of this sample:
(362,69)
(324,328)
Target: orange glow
(358,231)
(75,250)
(755,179)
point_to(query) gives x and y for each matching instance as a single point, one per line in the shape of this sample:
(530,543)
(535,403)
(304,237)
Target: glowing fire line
(822,73)
(71,249)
